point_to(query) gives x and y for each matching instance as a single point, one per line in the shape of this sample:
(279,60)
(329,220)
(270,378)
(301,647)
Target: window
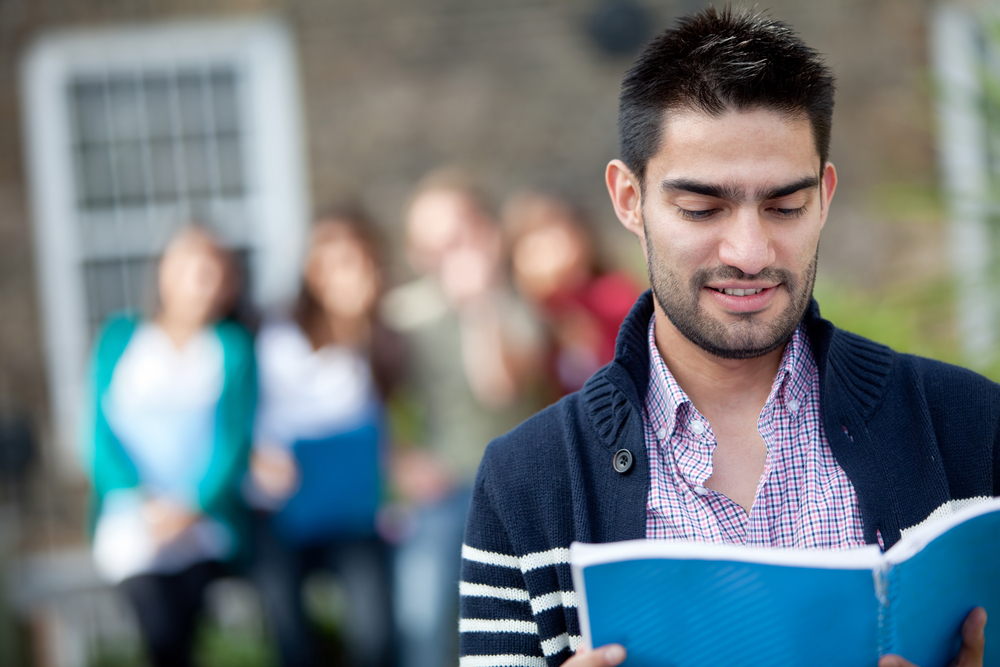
(132,133)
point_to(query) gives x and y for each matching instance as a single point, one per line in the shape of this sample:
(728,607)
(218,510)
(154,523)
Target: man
(732,412)
(473,348)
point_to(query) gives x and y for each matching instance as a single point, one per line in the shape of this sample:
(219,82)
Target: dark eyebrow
(735,194)
(783,191)
(726,192)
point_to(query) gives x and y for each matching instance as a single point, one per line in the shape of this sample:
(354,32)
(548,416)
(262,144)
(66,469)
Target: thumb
(604,656)
(973,639)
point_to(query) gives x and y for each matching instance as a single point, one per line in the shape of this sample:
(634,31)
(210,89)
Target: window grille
(151,149)
(134,132)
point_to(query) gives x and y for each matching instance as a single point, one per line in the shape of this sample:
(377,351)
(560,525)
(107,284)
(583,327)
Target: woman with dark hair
(318,447)
(169,422)
(554,261)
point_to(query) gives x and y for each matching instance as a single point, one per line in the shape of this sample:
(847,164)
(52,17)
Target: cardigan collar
(849,366)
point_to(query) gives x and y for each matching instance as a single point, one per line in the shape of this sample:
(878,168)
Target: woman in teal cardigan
(170,416)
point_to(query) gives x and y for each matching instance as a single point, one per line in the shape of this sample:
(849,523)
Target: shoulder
(117,327)
(903,368)
(900,381)
(235,338)
(114,336)
(413,305)
(944,383)
(238,355)
(533,454)
(933,370)
(613,294)
(279,337)
(536,436)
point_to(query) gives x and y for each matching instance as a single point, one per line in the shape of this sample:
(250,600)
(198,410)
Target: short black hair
(718,60)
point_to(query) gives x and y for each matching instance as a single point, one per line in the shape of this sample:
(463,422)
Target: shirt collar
(664,389)
(793,380)
(791,383)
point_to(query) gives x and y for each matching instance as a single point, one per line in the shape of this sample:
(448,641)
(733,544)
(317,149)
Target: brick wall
(516,90)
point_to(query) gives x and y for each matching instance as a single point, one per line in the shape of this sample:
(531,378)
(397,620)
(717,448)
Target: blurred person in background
(476,355)
(169,419)
(555,267)
(316,478)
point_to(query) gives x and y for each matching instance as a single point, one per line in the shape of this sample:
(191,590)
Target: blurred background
(121,121)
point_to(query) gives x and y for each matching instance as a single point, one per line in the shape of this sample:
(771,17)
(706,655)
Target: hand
(167,519)
(274,471)
(603,656)
(420,476)
(973,644)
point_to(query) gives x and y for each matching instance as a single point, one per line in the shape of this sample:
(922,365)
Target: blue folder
(340,488)
(677,603)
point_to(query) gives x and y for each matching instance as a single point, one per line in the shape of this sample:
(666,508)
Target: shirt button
(793,405)
(698,426)
(662,433)
(701,490)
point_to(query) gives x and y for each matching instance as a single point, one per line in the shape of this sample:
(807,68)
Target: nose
(747,245)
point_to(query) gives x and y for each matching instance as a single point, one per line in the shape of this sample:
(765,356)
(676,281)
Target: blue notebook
(681,603)
(339,488)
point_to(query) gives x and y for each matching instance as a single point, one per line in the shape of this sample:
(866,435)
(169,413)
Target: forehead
(753,147)
(193,244)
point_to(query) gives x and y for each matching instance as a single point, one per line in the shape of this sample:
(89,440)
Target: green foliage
(913,318)
(117,655)
(218,648)
(907,202)
(406,417)
(214,647)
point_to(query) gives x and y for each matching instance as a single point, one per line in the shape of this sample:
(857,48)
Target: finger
(894,661)
(605,656)
(973,639)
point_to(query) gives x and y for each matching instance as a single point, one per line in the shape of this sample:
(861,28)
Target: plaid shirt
(803,499)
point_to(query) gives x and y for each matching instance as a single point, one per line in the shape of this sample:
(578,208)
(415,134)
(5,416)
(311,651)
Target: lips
(743,299)
(749,291)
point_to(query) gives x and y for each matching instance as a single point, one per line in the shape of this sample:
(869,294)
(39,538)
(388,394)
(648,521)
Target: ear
(829,185)
(626,196)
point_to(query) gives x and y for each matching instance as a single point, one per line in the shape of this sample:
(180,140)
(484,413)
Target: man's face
(730,216)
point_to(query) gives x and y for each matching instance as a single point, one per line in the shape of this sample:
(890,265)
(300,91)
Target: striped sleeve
(504,621)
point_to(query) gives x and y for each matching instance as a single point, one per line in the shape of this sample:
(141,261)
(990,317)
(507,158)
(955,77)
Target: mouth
(736,291)
(741,290)
(743,299)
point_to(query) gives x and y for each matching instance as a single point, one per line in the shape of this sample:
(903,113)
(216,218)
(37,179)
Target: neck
(348,330)
(179,331)
(713,383)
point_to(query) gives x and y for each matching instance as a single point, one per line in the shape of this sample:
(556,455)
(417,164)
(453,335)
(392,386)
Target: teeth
(741,292)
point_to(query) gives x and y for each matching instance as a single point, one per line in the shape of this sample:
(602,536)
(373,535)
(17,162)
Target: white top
(161,406)
(306,393)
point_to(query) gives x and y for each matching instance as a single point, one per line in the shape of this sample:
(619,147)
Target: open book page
(683,603)
(940,572)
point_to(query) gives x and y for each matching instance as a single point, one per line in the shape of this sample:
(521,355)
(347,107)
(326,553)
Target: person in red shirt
(555,268)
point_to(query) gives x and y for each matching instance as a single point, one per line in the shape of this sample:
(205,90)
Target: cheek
(684,251)
(796,248)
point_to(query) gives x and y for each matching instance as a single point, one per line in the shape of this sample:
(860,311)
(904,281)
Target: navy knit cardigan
(916,437)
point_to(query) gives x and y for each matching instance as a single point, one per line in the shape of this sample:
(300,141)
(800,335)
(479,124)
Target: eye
(789,213)
(696,216)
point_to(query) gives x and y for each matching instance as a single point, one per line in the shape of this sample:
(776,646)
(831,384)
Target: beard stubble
(747,338)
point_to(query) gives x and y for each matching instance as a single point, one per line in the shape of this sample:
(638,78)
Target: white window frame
(263,50)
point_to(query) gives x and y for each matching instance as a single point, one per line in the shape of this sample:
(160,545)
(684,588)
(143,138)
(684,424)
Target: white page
(918,538)
(859,558)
